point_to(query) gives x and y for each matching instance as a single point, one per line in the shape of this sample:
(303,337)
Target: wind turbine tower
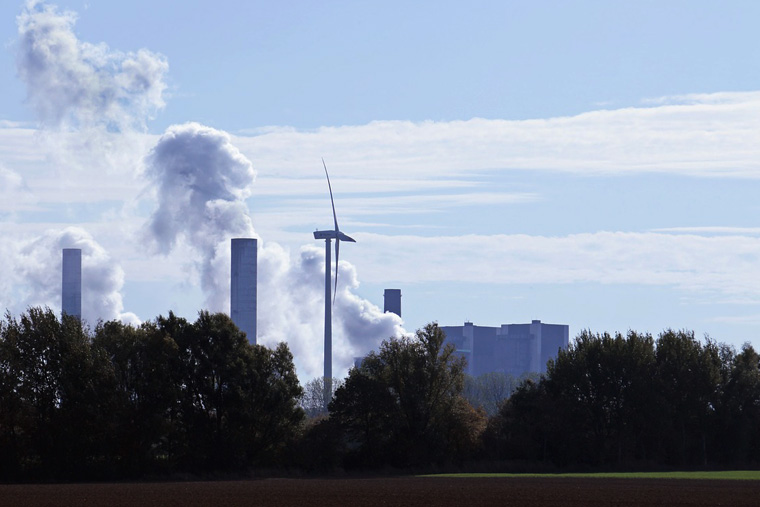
(328,236)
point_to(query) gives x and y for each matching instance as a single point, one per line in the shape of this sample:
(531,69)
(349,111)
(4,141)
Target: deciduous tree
(404,404)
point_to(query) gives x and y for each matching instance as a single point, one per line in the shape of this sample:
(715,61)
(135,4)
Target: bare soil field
(470,492)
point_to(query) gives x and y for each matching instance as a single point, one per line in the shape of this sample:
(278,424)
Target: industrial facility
(514,349)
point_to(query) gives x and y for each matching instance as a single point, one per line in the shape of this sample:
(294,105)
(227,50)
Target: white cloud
(728,265)
(91,98)
(281,186)
(734,231)
(316,212)
(79,84)
(201,181)
(711,135)
(90,154)
(14,192)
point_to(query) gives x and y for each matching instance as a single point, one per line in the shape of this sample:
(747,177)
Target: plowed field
(467,492)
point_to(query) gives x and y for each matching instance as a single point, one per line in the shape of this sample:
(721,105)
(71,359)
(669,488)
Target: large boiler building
(514,349)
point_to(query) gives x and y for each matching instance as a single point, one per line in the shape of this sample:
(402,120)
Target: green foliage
(53,384)
(688,390)
(600,384)
(738,412)
(616,400)
(404,406)
(177,396)
(168,395)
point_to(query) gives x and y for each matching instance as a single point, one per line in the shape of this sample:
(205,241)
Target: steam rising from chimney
(201,181)
(91,99)
(38,263)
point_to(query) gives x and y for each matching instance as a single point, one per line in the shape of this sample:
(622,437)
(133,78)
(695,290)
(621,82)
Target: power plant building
(514,349)
(71,286)
(243,285)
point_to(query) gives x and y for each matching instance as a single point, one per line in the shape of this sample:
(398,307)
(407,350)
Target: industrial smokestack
(243,286)
(71,291)
(392,301)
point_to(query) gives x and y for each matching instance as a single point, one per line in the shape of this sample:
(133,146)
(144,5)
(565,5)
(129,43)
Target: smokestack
(243,286)
(71,292)
(392,301)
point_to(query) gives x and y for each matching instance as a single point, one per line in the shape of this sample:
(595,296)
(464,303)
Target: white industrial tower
(243,286)
(71,286)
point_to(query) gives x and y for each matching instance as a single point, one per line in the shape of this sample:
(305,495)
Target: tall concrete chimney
(392,301)
(71,286)
(243,286)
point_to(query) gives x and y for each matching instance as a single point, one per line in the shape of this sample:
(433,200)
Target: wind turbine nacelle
(325,234)
(333,235)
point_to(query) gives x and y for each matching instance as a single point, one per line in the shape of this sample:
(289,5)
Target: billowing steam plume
(39,265)
(291,308)
(76,83)
(201,182)
(90,99)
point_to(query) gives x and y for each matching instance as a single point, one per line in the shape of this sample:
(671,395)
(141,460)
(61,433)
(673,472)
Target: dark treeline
(631,400)
(122,401)
(627,400)
(172,396)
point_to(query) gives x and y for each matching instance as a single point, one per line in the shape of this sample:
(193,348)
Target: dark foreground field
(565,492)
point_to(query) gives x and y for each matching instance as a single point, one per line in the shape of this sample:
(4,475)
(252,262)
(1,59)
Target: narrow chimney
(393,301)
(243,286)
(71,287)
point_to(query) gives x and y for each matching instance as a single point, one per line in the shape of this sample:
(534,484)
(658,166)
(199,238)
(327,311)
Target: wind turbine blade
(337,257)
(335,217)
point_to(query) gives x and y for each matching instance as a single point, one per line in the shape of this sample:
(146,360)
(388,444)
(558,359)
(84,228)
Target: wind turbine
(328,236)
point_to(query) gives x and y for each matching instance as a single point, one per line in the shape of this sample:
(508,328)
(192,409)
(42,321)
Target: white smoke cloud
(37,263)
(79,84)
(201,181)
(291,308)
(91,100)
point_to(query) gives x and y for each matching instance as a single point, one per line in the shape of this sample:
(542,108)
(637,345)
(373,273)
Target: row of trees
(624,400)
(172,396)
(117,401)
(608,401)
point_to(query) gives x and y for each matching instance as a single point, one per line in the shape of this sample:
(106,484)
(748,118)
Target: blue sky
(589,163)
(243,64)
